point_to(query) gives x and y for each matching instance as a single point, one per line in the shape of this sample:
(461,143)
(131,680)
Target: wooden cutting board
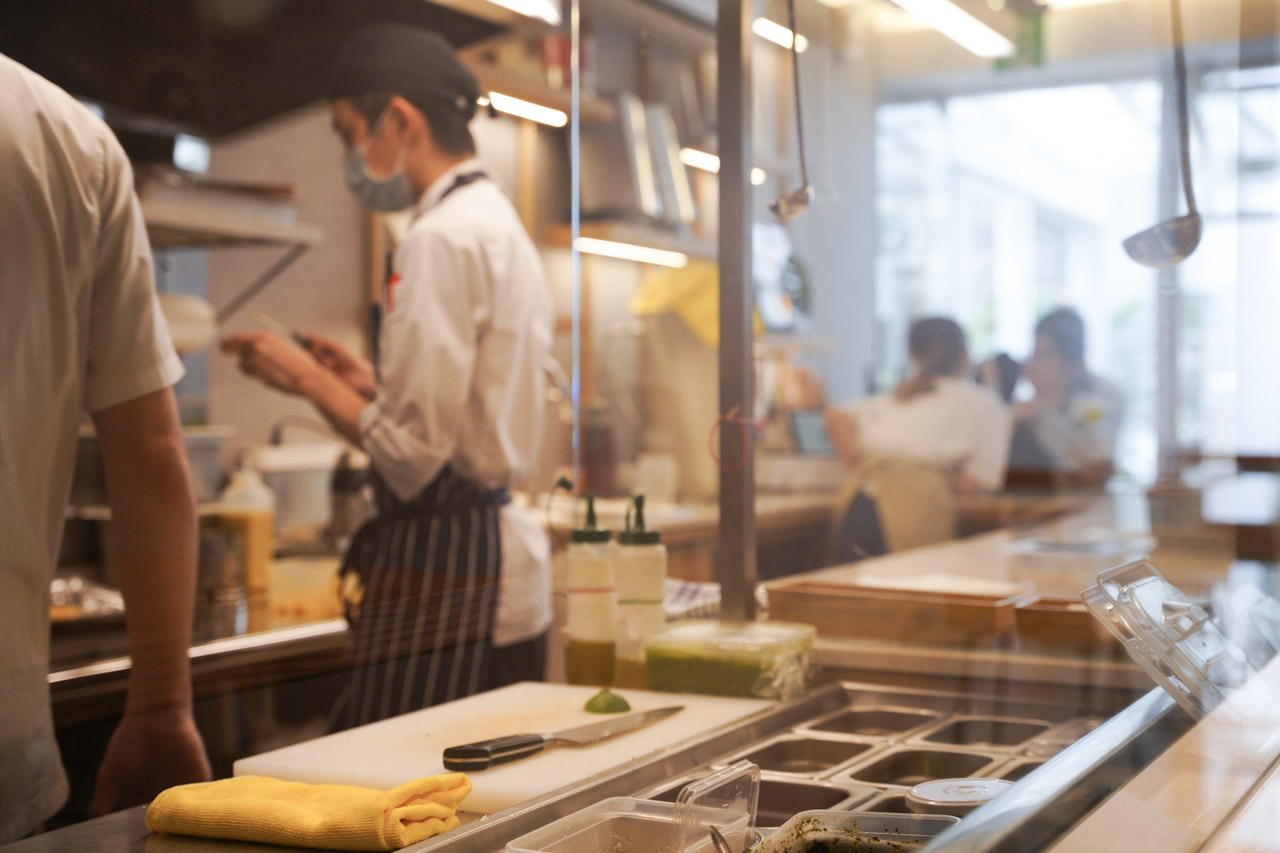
(391,752)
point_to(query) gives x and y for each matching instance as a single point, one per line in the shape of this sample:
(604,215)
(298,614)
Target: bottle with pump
(249,511)
(592,611)
(641,566)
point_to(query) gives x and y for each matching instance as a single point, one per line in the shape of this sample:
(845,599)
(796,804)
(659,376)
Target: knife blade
(269,322)
(480,755)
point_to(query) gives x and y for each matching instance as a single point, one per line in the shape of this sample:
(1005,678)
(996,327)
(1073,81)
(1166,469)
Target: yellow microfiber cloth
(332,817)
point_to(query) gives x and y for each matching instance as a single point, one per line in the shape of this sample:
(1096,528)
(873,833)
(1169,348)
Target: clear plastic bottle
(641,566)
(591,608)
(249,511)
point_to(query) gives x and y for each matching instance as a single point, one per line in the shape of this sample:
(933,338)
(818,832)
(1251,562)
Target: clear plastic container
(725,800)
(1171,637)
(766,660)
(854,832)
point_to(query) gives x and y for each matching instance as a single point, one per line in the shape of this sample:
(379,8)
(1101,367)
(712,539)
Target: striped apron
(423,613)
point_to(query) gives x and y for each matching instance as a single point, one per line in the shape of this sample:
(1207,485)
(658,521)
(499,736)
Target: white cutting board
(391,752)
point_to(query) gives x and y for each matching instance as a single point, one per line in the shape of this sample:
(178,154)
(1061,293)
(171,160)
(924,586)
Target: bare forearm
(337,401)
(153,546)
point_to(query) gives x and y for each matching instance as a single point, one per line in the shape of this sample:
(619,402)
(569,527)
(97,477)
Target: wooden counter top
(1059,557)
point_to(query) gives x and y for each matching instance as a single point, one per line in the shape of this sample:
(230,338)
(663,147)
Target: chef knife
(478,756)
(269,322)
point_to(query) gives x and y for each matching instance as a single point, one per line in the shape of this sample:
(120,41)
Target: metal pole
(736,559)
(575,228)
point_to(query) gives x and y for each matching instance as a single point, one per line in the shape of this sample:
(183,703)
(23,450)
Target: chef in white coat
(451,414)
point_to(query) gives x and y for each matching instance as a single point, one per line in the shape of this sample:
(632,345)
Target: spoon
(1172,241)
(718,841)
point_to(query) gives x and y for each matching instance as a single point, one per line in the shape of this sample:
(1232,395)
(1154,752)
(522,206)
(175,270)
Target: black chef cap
(404,60)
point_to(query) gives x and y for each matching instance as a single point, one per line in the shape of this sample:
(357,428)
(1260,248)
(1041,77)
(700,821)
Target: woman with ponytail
(936,424)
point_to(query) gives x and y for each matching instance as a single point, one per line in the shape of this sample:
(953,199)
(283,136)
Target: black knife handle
(478,756)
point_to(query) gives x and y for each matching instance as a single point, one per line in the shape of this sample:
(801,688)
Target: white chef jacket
(79,330)
(467,327)
(958,425)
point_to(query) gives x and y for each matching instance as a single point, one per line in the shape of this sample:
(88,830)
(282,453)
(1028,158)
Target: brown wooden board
(909,616)
(1059,622)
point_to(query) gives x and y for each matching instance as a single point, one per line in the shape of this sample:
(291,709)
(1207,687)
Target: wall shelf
(173,225)
(494,79)
(636,234)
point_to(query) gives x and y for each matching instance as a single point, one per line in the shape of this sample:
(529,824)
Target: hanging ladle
(1173,240)
(791,204)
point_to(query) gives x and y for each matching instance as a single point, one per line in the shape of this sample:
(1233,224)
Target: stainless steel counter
(1049,799)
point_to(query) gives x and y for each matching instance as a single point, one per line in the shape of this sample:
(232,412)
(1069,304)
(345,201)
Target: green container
(763,660)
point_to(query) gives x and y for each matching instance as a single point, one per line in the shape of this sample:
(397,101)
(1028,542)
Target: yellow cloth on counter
(331,817)
(692,293)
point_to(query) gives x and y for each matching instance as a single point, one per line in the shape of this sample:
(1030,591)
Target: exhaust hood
(214,67)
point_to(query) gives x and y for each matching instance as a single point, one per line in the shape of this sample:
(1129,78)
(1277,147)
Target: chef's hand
(271,359)
(351,368)
(148,752)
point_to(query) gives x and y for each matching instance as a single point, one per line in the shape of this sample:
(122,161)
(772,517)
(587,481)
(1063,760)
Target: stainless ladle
(791,204)
(1173,240)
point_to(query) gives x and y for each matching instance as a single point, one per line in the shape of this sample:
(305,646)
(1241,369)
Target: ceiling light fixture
(778,34)
(961,27)
(707,162)
(524,109)
(1068,4)
(631,252)
(543,10)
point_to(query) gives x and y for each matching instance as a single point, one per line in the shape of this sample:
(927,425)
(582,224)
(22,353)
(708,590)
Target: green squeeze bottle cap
(591,531)
(638,534)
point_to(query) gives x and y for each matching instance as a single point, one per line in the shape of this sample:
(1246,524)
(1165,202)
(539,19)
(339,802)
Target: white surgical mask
(386,195)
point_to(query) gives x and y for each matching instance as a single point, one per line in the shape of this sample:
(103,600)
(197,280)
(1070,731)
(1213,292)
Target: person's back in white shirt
(79,331)
(957,426)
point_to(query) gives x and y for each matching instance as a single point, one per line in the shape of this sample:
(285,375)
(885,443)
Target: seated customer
(1065,434)
(911,452)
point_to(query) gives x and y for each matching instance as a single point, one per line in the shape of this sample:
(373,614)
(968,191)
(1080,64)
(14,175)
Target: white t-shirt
(958,425)
(469,322)
(79,331)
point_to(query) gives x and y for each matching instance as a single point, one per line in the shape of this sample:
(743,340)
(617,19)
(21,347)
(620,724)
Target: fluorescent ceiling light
(630,252)
(1067,4)
(778,34)
(524,109)
(543,10)
(695,159)
(959,26)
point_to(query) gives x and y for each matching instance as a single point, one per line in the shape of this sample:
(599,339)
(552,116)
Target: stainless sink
(804,755)
(780,799)
(888,804)
(1001,733)
(875,722)
(1017,771)
(907,767)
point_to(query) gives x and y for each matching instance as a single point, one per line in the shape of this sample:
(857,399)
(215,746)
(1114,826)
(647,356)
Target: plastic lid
(726,800)
(637,533)
(591,531)
(1171,637)
(949,796)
